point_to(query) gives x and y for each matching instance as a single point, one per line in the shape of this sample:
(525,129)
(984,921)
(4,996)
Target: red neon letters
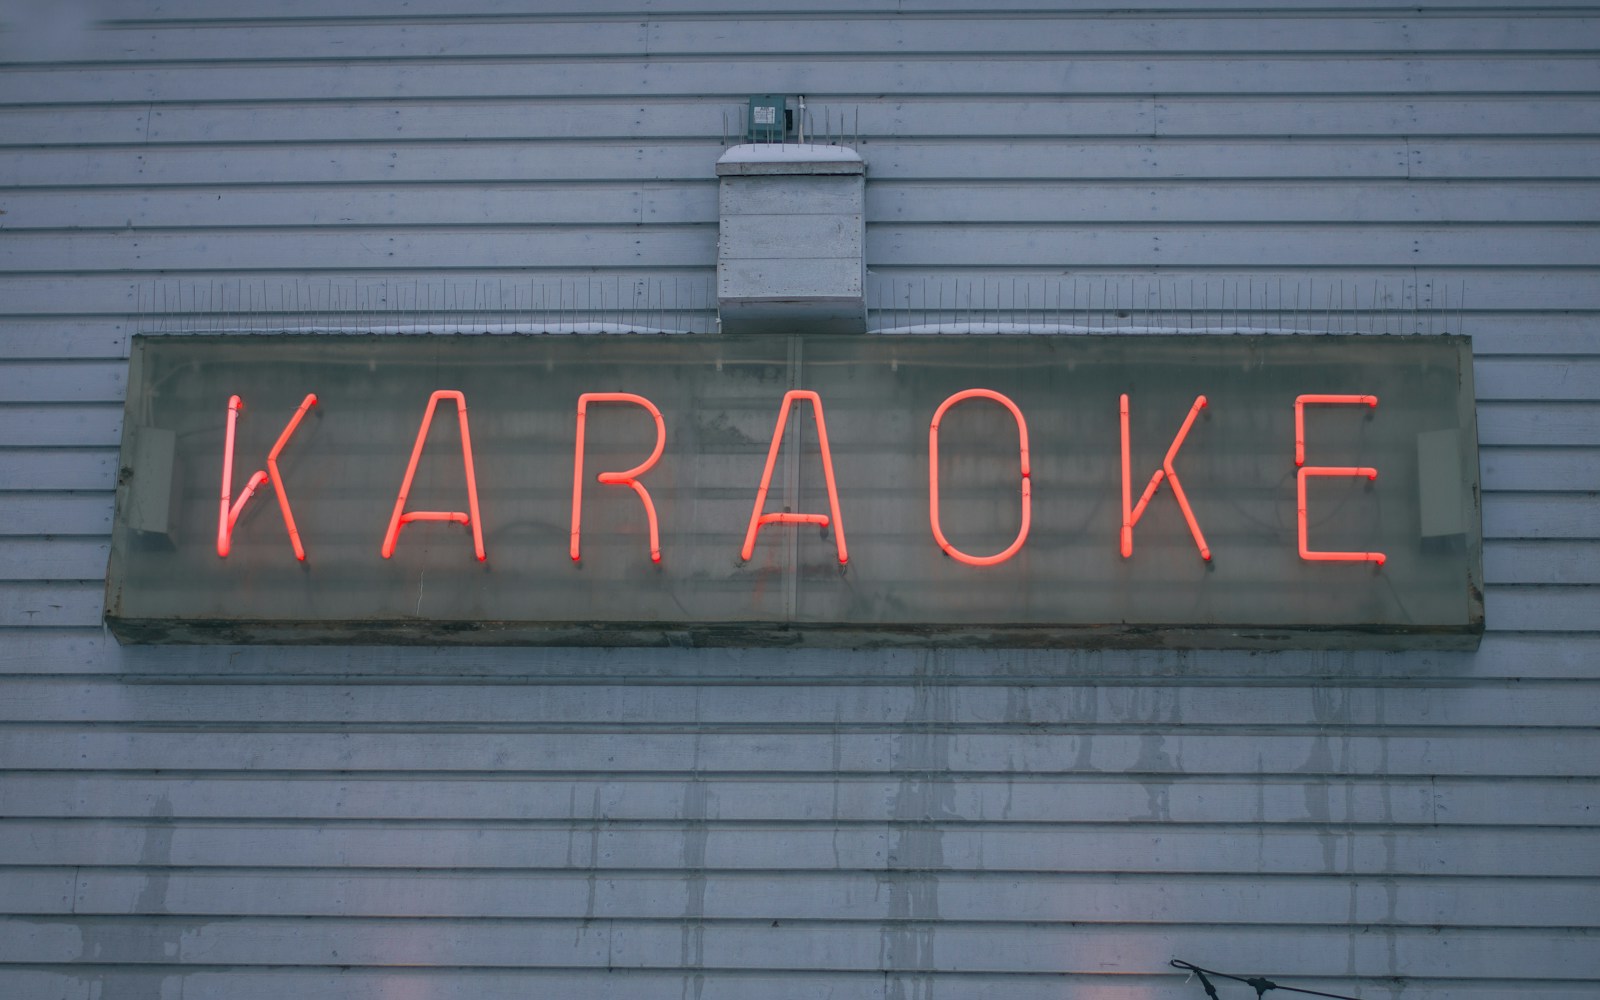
(629,478)
(230,507)
(1308,471)
(1300,417)
(402,517)
(933,478)
(758,520)
(228,514)
(1131,514)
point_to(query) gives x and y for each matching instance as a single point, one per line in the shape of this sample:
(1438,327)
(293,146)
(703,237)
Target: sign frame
(1057,396)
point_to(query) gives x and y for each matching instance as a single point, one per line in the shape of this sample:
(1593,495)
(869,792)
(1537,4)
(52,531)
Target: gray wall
(261,822)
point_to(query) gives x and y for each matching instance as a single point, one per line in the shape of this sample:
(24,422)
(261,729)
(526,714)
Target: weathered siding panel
(259,822)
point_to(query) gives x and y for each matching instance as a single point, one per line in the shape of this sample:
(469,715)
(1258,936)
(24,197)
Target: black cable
(1211,991)
(1258,983)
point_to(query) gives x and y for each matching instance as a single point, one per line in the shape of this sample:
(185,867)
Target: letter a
(758,520)
(402,517)
(1131,515)
(228,513)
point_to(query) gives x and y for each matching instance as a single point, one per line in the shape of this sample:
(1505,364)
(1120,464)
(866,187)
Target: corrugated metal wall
(261,822)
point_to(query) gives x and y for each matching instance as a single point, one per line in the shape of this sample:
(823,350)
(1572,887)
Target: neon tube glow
(1300,416)
(1130,516)
(228,515)
(933,479)
(628,478)
(1309,471)
(402,517)
(1305,548)
(758,520)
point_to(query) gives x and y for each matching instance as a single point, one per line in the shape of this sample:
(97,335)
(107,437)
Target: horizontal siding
(1557,308)
(114,703)
(61,424)
(625,984)
(1164,847)
(1528,205)
(459,147)
(514,945)
(531,36)
(836,799)
(253,822)
(148,12)
(1013,246)
(944,73)
(1429,136)
(772,751)
(554,894)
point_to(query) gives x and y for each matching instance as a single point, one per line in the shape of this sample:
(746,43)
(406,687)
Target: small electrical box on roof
(768,120)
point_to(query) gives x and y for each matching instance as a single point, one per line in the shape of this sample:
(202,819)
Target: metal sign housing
(983,490)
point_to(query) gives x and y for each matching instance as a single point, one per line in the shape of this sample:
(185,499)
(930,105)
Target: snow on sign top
(795,152)
(803,158)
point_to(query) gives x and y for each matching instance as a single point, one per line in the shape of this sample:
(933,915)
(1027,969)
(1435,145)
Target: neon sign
(1025,534)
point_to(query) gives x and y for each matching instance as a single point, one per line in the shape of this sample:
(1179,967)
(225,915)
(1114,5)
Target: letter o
(933,478)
